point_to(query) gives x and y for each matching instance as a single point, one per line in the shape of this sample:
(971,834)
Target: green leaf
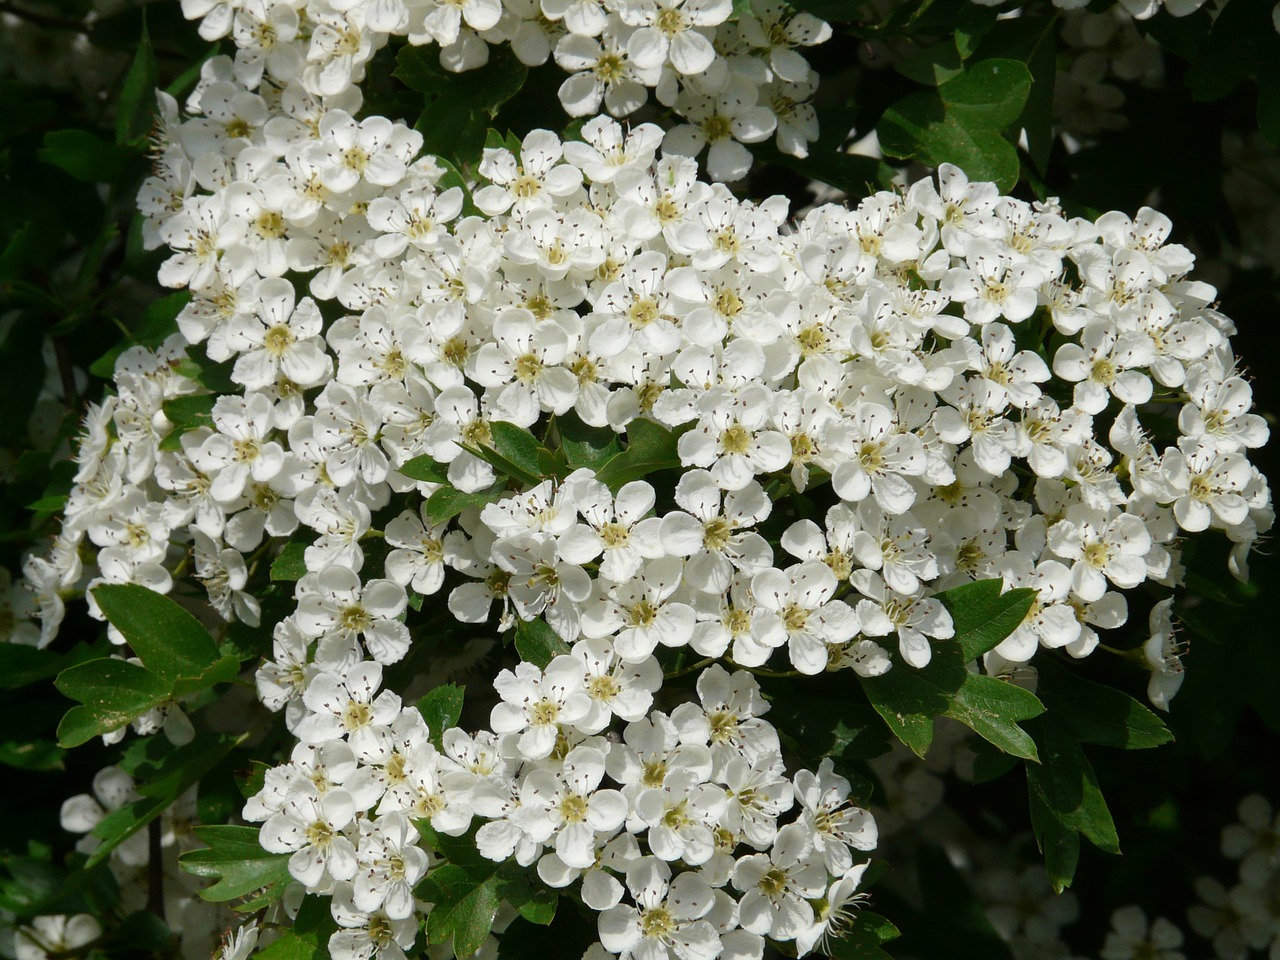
(112,692)
(852,173)
(161,782)
(540,908)
(458,108)
(441,708)
(932,65)
(862,940)
(308,938)
(170,642)
(910,699)
(993,709)
(1065,801)
(137,102)
(552,463)
(983,616)
(454,178)
(1032,40)
(236,859)
(650,447)
(447,502)
(186,413)
(833,10)
(585,446)
(425,468)
(989,763)
(84,155)
(1242,44)
(21,665)
(1269,102)
(223,670)
(537,643)
(214,376)
(514,452)
(31,754)
(846,729)
(467,890)
(464,908)
(1099,714)
(963,121)
(142,931)
(291,564)
(158,322)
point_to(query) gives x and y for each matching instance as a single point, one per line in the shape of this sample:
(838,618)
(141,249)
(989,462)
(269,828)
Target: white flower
(524,361)
(336,607)
(618,688)
(777,887)
(1210,485)
(418,559)
(639,613)
(239,450)
(601,69)
(430,786)
(729,719)
(363,934)
(796,607)
(619,528)
(55,934)
(722,122)
(681,815)
(836,914)
(666,920)
(536,178)
(1254,841)
(1104,362)
(872,457)
(543,584)
(834,823)
(1218,412)
(568,805)
(310,827)
(535,704)
(1163,654)
(1131,937)
(732,438)
(669,31)
(716,542)
(916,620)
(390,864)
(346,705)
(772,26)
(993,283)
(1103,548)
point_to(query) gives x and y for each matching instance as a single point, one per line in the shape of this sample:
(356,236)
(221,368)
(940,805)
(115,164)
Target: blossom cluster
(733,74)
(702,789)
(1244,917)
(1238,921)
(966,386)
(1137,9)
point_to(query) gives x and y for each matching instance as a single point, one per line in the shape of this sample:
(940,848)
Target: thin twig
(155,870)
(65,373)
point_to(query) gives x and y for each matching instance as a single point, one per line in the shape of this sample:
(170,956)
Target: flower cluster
(1137,9)
(964,386)
(734,75)
(683,809)
(1245,917)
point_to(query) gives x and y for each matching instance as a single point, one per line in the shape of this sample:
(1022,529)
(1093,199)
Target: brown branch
(155,870)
